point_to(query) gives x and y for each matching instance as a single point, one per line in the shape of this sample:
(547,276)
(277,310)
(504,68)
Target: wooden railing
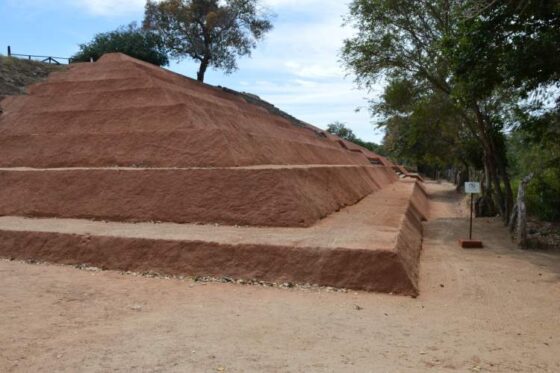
(45,59)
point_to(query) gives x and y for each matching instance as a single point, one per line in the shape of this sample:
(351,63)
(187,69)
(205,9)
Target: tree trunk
(496,189)
(202,70)
(486,182)
(462,177)
(485,205)
(513,219)
(522,213)
(495,164)
(508,193)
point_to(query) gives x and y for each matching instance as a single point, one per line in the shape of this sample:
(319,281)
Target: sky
(297,67)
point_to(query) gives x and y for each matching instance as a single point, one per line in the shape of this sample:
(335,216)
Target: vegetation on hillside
(534,148)
(469,86)
(341,130)
(16,74)
(130,40)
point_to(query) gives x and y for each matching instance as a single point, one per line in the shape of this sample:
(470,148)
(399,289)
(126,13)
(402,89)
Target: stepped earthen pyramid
(124,165)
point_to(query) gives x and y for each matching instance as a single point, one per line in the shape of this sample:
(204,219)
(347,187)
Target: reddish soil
(123,112)
(373,245)
(277,196)
(489,310)
(123,140)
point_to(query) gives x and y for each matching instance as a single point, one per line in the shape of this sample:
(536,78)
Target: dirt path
(495,310)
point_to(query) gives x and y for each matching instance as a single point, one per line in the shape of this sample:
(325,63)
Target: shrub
(130,40)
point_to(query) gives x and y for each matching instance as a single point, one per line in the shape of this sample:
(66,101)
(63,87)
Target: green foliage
(376,148)
(130,40)
(511,44)
(509,51)
(398,38)
(211,32)
(543,195)
(423,128)
(534,148)
(506,53)
(458,73)
(339,129)
(401,40)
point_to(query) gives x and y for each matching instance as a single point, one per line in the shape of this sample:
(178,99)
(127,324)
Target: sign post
(471,187)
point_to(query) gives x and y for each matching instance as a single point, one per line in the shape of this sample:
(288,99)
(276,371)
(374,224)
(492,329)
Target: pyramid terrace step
(359,247)
(165,149)
(257,195)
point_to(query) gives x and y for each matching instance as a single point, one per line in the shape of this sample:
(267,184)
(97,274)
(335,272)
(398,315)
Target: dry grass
(16,74)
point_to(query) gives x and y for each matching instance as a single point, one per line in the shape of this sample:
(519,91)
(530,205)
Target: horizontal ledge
(124,168)
(373,223)
(378,238)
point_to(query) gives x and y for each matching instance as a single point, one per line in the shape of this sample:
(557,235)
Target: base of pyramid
(373,245)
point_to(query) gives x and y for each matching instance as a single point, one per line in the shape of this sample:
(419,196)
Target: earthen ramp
(124,165)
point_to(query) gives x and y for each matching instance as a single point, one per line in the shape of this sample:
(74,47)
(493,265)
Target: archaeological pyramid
(124,165)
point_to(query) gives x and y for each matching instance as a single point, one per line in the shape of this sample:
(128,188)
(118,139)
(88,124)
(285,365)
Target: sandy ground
(495,310)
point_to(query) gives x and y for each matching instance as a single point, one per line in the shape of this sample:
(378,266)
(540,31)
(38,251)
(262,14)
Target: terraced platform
(124,165)
(373,245)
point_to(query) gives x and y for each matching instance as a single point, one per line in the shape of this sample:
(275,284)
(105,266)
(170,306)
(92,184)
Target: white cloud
(105,8)
(110,7)
(303,48)
(314,70)
(121,7)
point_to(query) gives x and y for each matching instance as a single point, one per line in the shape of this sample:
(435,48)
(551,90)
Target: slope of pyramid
(123,165)
(125,140)
(123,112)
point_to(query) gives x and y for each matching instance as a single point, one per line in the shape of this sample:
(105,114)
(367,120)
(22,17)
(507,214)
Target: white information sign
(472,187)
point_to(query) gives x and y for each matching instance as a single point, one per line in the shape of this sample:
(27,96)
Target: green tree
(212,32)
(404,40)
(423,128)
(339,129)
(534,149)
(512,46)
(130,40)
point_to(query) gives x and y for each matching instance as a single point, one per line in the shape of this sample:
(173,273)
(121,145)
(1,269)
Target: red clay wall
(261,197)
(369,270)
(392,270)
(409,239)
(187,148)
